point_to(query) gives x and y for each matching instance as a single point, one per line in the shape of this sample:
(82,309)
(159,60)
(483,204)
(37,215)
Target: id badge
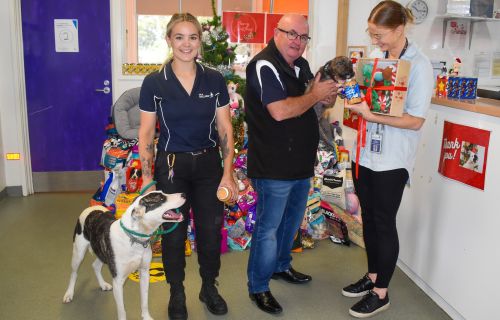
(376,142)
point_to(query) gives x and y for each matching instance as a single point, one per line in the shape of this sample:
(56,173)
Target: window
(146,22)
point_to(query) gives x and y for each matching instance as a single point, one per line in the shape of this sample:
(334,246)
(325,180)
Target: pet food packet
(333,189)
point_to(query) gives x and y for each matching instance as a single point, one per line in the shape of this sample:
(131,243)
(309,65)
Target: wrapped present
(462,88)
(115,152)
(384,83)
(223,244)
(247,199)
(313,202)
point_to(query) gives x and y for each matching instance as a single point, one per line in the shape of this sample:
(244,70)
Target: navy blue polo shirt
(267,80)
(187,122)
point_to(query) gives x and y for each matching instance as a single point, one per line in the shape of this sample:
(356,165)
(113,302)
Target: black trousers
(380,195)
(198,176)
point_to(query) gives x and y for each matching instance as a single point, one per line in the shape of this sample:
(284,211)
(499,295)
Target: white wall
(12,173)
(323,26)
(3,183)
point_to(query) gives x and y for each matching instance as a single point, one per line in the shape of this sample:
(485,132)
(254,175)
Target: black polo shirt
(187,122)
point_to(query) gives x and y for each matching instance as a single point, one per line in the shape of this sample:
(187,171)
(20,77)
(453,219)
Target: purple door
(66,115)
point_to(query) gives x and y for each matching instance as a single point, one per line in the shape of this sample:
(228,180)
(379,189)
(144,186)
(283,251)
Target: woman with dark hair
(191,103)
(383,173)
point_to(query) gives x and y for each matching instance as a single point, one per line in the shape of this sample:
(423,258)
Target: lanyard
(402,52)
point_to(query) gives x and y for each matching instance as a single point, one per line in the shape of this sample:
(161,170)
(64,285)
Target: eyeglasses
(377,36)
(292,35)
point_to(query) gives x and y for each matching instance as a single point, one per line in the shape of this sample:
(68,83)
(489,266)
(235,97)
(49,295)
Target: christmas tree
(216,49)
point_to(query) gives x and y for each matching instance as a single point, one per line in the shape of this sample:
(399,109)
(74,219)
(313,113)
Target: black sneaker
(359,288)
(211,297)
(370,305)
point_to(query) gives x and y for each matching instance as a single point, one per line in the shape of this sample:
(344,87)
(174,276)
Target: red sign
(244,27)
(464,153)
(271,23)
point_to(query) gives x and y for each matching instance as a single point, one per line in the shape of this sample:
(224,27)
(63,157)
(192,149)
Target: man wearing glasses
(282,143)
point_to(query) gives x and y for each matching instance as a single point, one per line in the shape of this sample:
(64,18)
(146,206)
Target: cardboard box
(385,90)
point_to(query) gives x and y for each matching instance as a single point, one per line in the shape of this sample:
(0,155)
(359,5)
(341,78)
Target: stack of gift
(461,88)
(240,216)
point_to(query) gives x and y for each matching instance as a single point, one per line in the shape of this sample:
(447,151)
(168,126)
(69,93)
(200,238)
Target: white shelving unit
(472,20)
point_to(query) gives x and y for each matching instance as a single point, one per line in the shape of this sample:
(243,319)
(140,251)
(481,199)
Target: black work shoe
(292,276)
(370,305)
(177,305)
(266,302)
(359,288)
(211,297)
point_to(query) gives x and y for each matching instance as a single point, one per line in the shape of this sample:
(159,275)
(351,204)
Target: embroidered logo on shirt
(203,96)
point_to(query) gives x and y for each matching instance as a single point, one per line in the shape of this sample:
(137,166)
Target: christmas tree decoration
(217,52)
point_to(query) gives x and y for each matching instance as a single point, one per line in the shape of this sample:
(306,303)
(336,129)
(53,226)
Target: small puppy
(122,244)
(338,69)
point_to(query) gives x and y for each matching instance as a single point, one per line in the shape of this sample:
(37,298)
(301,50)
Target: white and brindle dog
(123,244)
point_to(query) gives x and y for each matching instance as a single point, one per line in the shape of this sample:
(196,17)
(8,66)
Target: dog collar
(156,233)
(142,235)
(132,233)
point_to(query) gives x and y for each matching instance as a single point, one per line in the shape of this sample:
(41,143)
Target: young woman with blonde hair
(191,103)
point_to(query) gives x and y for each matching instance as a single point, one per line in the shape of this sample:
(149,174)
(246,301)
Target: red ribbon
(361,141)
(361,137)
(382,88)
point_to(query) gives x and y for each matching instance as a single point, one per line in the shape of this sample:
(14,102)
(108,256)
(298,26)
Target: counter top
(480,105)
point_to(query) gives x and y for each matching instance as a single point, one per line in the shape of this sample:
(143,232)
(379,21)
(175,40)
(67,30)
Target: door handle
(106,90)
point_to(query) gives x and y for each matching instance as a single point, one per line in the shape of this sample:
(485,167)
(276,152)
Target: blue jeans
(280,209)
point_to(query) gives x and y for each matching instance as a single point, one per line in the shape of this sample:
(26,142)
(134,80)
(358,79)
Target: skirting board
(452,312)
(13,191)
(67,181)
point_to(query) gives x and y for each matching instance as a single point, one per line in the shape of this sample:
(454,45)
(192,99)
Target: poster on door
(66,35)
(464,151)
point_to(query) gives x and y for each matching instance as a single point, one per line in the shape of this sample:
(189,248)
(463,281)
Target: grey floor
(35,253)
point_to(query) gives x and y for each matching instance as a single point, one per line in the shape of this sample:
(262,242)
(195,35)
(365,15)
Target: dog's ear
(138,212)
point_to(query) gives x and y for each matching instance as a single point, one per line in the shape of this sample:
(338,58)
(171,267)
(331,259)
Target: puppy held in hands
(338,69)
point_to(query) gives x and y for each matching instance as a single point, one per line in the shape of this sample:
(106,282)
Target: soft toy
(234,98)
(457,64)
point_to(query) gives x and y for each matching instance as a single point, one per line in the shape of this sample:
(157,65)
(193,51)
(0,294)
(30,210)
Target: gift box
(461,88)
(384,83)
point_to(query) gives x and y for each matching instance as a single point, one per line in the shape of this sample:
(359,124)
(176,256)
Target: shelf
(448,17)
(452,16)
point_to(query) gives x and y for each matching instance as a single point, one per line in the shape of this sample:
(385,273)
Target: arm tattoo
(146,167)
(224,147)
(149,148)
